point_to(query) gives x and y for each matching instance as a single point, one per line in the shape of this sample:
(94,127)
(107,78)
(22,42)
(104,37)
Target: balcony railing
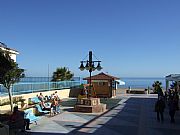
(23,88)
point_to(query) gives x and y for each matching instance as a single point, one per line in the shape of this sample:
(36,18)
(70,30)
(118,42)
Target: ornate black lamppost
(90,67)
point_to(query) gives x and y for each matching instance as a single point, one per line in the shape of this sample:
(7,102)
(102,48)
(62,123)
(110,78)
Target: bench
(34,100)
(30,115)
(39,109)
(136,92)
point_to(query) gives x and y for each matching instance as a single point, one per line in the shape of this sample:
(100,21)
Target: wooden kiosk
(103,85)
(99,85)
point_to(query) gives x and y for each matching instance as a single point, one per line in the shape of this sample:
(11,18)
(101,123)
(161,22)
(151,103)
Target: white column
(167,85)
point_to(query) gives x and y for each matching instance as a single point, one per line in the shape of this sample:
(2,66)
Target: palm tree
(62,74)
(157,87)
(11,74)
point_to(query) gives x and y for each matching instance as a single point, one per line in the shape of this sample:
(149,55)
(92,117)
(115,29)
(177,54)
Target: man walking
(172,109)
(159,108)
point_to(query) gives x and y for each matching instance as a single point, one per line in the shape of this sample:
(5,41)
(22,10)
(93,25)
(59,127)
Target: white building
(12,52)
(173,78)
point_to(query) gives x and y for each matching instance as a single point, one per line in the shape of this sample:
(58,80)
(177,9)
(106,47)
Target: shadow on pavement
(135,116)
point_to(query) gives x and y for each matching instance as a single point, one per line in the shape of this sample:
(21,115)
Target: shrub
(6,101)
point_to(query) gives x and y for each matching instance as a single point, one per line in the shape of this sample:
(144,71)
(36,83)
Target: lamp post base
(90,105)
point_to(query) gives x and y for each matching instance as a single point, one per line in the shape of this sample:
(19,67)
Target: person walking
(159,108)
(176,100)
(172,109)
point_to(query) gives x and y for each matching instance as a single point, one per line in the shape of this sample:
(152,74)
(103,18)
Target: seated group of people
(18,121)
(53,105)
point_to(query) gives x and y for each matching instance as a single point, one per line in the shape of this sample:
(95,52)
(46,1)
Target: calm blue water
(42,79)
(140,82)
(130,81)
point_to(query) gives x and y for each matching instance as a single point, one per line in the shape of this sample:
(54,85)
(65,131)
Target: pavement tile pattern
(134,114)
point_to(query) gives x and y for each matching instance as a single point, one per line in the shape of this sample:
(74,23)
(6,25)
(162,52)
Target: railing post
(31,88)
(49,86)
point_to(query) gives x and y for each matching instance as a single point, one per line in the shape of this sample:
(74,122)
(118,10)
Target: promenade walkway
(134,115)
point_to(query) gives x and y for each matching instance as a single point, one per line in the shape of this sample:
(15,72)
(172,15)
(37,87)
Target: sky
(132,38)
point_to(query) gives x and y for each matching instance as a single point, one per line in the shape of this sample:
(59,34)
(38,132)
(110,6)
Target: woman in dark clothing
(172,109)
(159,108)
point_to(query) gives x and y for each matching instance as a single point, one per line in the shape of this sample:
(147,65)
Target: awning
(120,82)
(173,77)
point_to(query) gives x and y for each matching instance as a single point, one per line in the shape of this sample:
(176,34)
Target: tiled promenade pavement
(134,115)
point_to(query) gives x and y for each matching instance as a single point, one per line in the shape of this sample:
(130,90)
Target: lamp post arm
(90,66)
(89,61)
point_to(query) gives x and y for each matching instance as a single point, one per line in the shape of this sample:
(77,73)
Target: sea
(133,82)
(42,79)
(141,82)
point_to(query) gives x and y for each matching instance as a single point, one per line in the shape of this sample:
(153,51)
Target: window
(101,83)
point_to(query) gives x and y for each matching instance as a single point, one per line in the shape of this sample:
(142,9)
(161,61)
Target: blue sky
(133,38)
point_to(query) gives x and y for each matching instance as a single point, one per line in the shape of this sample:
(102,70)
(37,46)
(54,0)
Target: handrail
(23,88)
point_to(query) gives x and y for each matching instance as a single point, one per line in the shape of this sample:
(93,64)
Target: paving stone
(134,115)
